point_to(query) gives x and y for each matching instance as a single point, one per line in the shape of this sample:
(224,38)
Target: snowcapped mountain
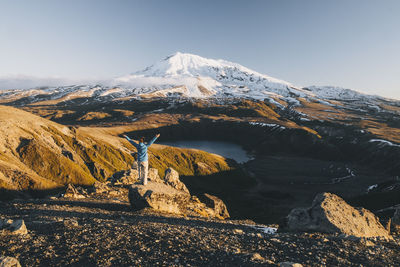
(188,75)
(202,77)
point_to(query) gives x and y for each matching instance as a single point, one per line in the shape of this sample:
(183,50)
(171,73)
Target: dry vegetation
(40,154)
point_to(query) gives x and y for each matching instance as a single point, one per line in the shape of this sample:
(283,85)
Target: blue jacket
(142,148)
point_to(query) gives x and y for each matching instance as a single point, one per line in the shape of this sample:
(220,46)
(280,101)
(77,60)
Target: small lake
(225,149)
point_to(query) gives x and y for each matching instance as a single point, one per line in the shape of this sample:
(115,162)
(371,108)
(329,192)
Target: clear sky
(349,43)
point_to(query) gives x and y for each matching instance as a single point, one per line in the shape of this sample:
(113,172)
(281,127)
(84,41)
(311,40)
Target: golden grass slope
(36,153)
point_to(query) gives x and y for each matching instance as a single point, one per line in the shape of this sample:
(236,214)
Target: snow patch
(384,142)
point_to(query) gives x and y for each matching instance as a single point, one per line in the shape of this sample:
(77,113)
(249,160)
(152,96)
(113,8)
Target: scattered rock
(14,227)
(171,178)
(216,204)
(99,187)
(71,223)
(289,264)
(238,231)
(331,214)
(257,257)
(9,262)
(73,192)
(130,177)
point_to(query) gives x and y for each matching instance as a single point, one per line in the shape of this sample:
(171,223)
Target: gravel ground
(95,232)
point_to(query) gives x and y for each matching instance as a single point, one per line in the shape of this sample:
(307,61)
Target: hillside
(38,154)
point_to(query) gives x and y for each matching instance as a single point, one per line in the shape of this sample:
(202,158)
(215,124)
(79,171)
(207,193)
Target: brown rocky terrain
(334,150)
(104,232)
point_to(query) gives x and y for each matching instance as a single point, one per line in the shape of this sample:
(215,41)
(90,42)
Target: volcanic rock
(289,264)
(99,187)
(331,214)
(130,177)
(73,192)
(9,262)
(171,178)
(158,196)
(165,198)
(216,204)
(153,175)
(14,227)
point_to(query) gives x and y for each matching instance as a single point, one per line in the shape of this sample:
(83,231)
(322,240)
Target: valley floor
(95,232)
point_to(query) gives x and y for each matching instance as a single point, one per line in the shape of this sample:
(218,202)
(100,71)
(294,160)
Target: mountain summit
(203,77)
(187,75)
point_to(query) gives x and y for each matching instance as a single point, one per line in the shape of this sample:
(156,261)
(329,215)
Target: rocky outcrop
(153,175)
(14,227)
(100,188)
(331,214)
(74,192)
(171,178)
(9,262)
(216,204)
(171,195)
(130,177)
(158,196)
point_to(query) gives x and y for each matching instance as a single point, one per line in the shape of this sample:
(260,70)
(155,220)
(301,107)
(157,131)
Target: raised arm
(131,141)
(153,140)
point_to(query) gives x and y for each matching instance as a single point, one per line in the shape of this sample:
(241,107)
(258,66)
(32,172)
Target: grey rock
(9,262)
(99,187)
(14,227)
(153,175)
(331,214)
(130,177)
(257,257)
(289,264)
(158,196)
(216,204)
(165,198)
(171,178)
(72,192)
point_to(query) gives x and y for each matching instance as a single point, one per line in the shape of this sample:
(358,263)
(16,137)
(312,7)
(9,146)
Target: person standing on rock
(142,157)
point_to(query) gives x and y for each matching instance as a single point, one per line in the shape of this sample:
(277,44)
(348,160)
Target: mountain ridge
(189,75)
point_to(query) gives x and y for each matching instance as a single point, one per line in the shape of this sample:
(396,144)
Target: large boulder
(9,262)
(14,227)
(216,204)
(331,214)
(72,192)
(164,198)
(129,177)
(153,175)
(159,197)
(171,178)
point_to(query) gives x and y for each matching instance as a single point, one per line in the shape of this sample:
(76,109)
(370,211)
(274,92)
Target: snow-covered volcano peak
(193,65)
(180,64)
(204,77)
